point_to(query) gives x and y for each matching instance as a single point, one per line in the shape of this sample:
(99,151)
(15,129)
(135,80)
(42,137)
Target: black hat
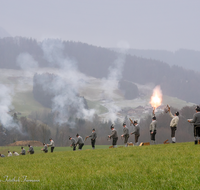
(197,108)
(77,135)
(93,129)
(112,126)
(135,121)
(69,137)
(177,113)
(154,117)
(124,123)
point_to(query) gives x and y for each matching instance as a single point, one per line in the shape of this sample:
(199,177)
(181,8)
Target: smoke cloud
(110,86)
(5,105)
(26,62)
(65,86)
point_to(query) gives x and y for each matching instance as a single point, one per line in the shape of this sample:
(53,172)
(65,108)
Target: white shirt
(9,154)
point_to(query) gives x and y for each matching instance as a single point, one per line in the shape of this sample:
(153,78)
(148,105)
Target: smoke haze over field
(66,87)
(145,24)
(5,105)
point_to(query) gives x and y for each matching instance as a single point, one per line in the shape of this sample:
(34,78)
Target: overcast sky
(140,24)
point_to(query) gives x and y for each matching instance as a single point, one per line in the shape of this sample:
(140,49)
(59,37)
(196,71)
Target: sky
(139,24)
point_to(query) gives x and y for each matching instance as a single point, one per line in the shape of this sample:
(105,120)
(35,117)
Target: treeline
(41,126)
(183,57)
(94,61)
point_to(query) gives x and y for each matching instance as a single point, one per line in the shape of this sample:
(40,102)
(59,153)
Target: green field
(25,103)
(173,166)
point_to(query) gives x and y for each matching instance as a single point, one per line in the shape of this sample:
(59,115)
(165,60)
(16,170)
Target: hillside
(149,167)
(100,62)
(185,58)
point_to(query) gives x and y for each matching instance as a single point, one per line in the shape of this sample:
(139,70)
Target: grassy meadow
(172,166)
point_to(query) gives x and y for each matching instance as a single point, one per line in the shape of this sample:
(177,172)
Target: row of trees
(40,126)
(95,61)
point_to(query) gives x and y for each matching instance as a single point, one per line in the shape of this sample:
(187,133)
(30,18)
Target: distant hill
(95,61)
(3,33)
(188,59)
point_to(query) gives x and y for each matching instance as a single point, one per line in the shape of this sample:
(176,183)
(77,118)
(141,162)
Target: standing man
(114,136)
(173,124)
(126,134)
(31,150)
(51,144)
(196,122)
(23,152)
(136,132)
(45,149)
(93,138)
(73,141)
(80,142)
(152,129)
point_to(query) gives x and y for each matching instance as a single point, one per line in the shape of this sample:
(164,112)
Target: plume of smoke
(26,62)
(64,87)
(5,106)
(110,85)
(28,65)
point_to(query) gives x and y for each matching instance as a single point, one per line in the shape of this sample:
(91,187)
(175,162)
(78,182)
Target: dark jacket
(23,152)
(73,141)
(126,131)
(80,140)
(31,150)
(114,134)
(196,119)
(137,130)
(93,135)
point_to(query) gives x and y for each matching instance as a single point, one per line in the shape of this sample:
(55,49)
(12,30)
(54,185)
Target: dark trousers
(126,139)
(74,147)
(45,151)
(173,129)
(136,138)
(153,136)
(52,148)
(114,141)
(32,152)
(196,131)
(93,142)
(80,146)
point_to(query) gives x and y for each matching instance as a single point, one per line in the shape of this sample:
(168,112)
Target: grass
(175,102)
(173,166)
(25,103)
(97,106)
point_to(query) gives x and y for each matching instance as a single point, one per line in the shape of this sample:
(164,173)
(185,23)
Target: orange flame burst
(156,98)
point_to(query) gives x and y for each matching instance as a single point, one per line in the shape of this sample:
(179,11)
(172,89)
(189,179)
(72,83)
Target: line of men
(125,135)
(153,126)
(80,141)
(31,149)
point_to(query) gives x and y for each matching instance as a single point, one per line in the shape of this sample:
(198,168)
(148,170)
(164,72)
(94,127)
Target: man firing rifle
(126,134)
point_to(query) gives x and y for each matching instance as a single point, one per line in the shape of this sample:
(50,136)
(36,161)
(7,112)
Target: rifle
(167,108)
(131,121)
(154,111)
(85,139)
(108,138)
